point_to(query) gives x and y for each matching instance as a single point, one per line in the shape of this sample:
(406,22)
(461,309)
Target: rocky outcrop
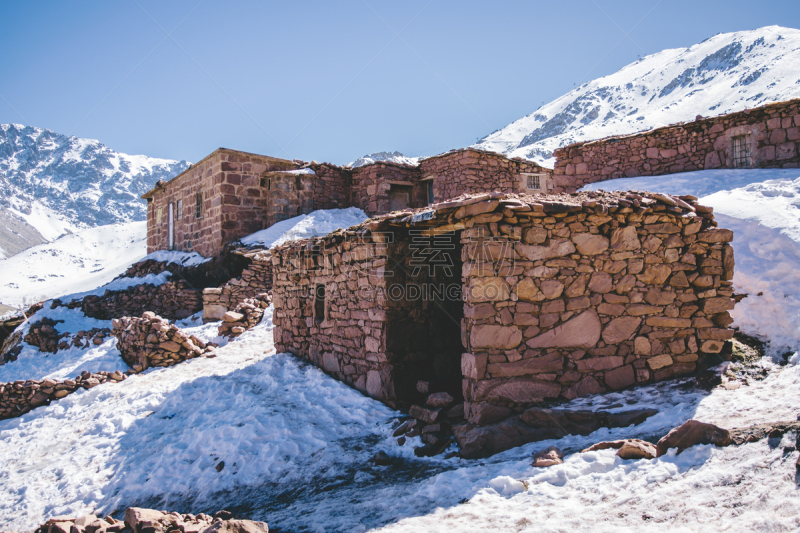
(19,397)
(245,316)
(138,520)
(153,341)
(692,433)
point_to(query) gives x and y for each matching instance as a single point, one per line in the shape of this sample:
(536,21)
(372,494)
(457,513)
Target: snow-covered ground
(762,207)
(296,444)
(72,263)
(315,224)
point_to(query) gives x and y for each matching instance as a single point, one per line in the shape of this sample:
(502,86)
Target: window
(199,205)
(534,182)
(429,189)
(180,210)
(319,303)
(741,151)
(158,216)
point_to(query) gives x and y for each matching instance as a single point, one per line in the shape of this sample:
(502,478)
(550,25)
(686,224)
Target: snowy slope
(75,262)
(394,157)
(762,207)
(59,184)
(725,73)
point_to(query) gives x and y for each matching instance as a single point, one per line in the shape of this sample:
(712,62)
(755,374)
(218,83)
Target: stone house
(507,301)
(230,194)
(762,137)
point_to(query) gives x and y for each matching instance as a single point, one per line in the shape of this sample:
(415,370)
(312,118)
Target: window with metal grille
(741,151)
(199,205)
(534,182)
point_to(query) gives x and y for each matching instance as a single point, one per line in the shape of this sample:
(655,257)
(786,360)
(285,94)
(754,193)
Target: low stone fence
(153,341)
(766,137)
(19,397)
(245,316)
(138,520)
(174,300)
(255,279)
(44,335)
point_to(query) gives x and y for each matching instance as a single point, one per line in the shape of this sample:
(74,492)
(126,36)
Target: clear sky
(326,80)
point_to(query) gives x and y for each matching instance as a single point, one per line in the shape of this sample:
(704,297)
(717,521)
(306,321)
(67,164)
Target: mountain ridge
(747,68)
(53,184)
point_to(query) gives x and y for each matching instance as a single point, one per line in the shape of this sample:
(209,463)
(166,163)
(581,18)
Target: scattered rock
(692,433)
(439,400)
(637,449)
(382,459)
(548,457)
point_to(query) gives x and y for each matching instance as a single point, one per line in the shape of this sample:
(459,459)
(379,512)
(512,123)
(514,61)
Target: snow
(393,157)
(181,258)
(315,224)
(299,171)
(725,73)
(48,222)
(762,207)
(88,258)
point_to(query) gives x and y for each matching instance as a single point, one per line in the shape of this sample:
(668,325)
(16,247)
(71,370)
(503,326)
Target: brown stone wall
(346,334)
(773,133)
(255,279)
(234,202)
(371,185)
(174,299)
(474,171)
(599,299)
(331,187)
(192,234)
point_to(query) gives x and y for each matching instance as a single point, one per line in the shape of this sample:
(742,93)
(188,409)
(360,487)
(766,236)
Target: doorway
(171,226)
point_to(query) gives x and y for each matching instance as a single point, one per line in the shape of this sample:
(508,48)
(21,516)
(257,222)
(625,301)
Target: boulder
(135,515)
(440,399)
(548,457)
(637,449)
(232,316)
(691,433)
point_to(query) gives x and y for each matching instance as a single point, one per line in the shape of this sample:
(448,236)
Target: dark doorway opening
(424,336)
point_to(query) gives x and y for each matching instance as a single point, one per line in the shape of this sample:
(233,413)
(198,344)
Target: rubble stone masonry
(769,137)
(562,296)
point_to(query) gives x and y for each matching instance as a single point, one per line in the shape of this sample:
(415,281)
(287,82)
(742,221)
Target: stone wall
(772,133)
(372,183)
(346,335)
(153,341)
(474,171)
(246,315)
(19,397)
(331,187)
(234,200)
(174,299)
(255,279)
(561,296)
(44,335)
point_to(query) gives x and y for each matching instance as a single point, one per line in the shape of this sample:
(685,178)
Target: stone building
(230,194)
(762,137)
(507,300)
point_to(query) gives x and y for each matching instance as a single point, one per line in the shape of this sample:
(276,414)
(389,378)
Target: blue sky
(329,81)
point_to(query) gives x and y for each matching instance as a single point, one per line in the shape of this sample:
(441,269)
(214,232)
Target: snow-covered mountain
(394,157)
(725,73)
(53,184)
